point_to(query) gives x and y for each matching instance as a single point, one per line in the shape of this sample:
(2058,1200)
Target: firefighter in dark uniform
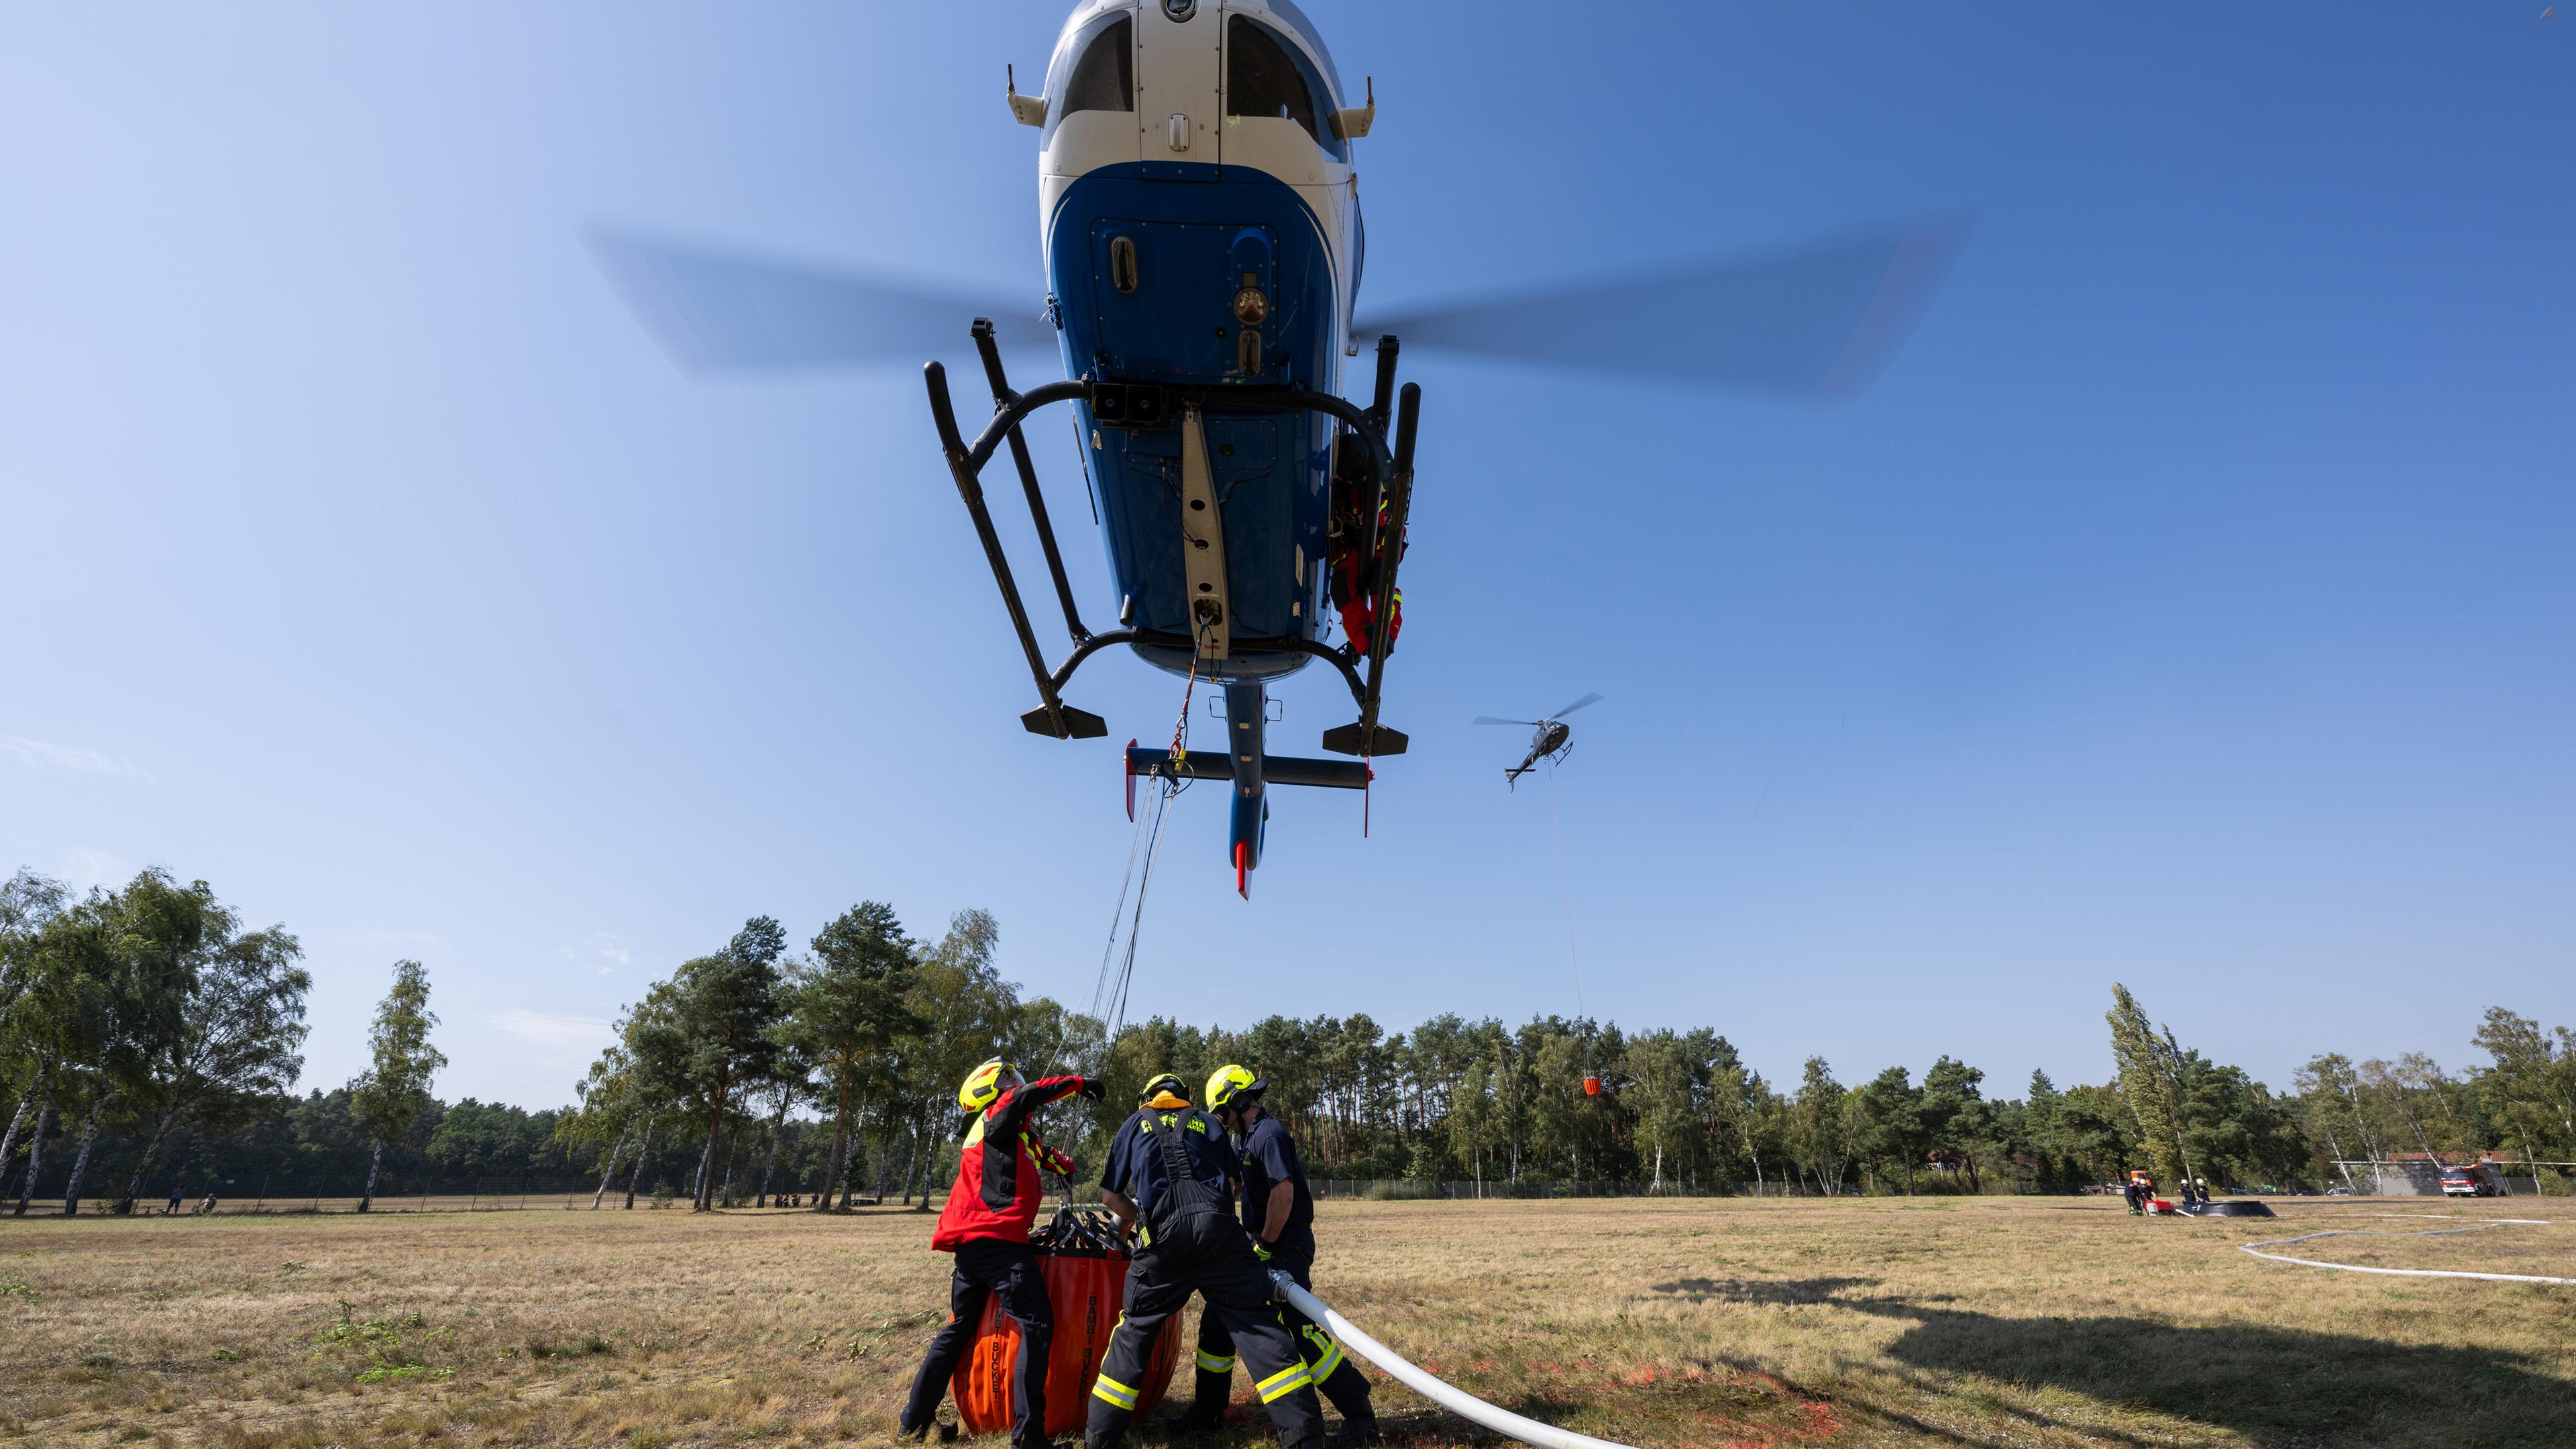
(1169,1177)
(1279,1212)
(991,1208)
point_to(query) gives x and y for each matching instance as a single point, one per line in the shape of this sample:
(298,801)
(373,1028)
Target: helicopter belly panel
(1149,278)
(1162,301)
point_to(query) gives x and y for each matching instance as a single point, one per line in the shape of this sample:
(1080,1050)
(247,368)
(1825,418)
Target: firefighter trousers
(1213,1258)
(1334,1375)
(990,1268)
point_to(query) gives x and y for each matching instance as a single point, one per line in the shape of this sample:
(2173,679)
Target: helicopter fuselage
(1551,738)
(1200,219)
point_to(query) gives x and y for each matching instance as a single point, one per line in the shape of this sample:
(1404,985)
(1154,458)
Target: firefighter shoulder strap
(1184,1196)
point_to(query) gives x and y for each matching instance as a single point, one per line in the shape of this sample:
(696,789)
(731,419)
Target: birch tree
(30,998)
(27,902)
(1666,1093)
(389,1098)
(238,1043)
(1816,1126)
(2531,1089)
(2150,1084)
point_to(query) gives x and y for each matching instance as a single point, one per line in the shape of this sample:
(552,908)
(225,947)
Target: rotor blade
(1489,719)
(713,312)
(1578,704)
(1817,320)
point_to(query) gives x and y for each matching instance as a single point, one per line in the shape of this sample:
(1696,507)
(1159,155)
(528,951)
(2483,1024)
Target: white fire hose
(1465,1405)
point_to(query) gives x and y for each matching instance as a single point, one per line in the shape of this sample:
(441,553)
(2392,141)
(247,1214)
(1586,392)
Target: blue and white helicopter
(1199,222)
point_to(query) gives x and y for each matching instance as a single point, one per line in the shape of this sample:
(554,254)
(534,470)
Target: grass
(1666,1324)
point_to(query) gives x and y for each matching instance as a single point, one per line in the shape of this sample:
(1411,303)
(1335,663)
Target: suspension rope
(1116,1018)
(1565,892)
(1118,970)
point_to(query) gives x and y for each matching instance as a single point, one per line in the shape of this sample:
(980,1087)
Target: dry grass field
(1656,1323)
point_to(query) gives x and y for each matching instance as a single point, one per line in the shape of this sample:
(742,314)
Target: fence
(1406,1189)
(2418,1177)
(490,1194)
(487,1194)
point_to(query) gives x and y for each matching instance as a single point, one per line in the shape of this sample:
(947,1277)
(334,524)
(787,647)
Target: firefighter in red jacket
(991,1209)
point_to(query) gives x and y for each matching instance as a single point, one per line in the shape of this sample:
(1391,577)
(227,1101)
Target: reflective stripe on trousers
(1283,1383)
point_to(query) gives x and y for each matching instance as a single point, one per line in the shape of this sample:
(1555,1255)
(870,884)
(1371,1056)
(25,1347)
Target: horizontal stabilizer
(1080,724)
(1345,740)
(1276,769)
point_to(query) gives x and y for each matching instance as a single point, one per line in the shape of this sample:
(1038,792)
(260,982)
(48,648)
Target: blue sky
(2189,604)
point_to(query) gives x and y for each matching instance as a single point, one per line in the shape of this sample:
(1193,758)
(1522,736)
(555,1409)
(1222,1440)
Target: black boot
(1359,1433)
(1201,1417)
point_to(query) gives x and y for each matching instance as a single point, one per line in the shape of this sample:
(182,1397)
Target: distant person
(208,1206)
(991,1209)
(175,1195)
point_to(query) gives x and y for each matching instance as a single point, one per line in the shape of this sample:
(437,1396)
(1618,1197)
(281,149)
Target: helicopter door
(1179,96)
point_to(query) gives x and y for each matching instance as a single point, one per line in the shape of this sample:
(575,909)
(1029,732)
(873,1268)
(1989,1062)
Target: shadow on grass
(1772,1292)
(2276,1386)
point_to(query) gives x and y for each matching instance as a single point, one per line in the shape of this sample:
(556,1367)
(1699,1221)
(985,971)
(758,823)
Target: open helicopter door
(1179,84)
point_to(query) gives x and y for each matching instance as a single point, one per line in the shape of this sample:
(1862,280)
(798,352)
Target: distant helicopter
(1200,235)
(1550,743)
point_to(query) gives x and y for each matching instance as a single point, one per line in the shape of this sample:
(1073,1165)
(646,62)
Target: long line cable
(1117,972)
(1565,892)
(1117,1017)
(1118,912)
(1126,882)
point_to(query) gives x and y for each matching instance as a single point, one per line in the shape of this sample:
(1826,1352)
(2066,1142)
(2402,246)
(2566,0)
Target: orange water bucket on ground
(1085,1286)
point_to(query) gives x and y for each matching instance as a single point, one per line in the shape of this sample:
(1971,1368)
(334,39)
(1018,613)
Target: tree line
(145,1031)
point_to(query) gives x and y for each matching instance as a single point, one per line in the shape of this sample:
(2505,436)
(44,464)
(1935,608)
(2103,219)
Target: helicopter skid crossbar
(966,462)
(1158,639)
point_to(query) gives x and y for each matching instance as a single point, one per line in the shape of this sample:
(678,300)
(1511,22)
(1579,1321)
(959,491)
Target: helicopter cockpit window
(1267,75)
(1101,75)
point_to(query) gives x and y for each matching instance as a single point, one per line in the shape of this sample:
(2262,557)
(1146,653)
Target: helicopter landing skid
(966,461)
